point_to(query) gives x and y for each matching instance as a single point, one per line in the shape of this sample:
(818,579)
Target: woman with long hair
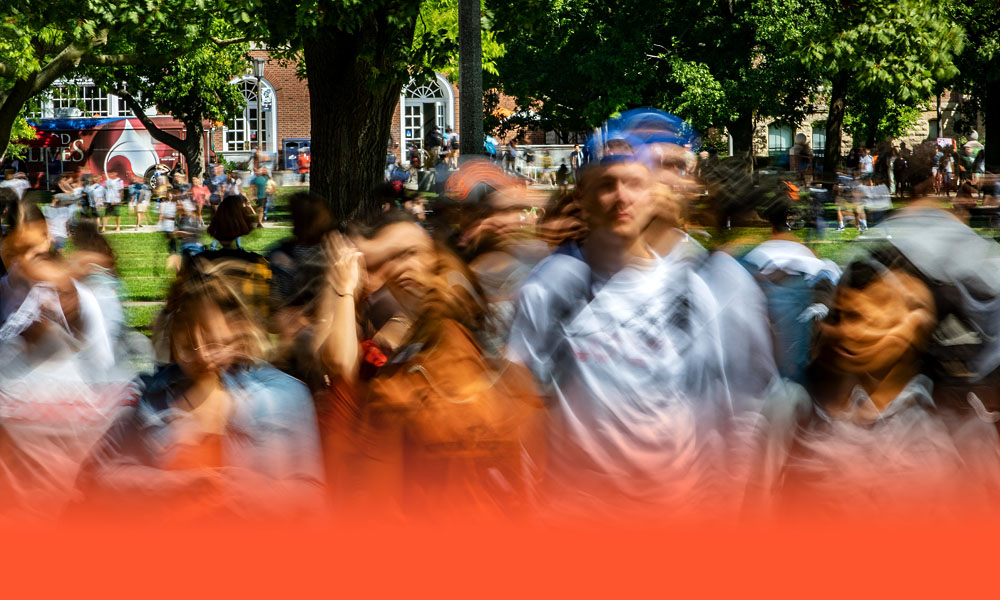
(435,426)
(218,431)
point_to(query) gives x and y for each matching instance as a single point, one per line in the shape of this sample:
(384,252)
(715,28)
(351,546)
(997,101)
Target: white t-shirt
(57,219)
(633,367)
(54,408)
(18,185)
(114,190)
(168,212)
(867,165)
(875,197)
(97,193)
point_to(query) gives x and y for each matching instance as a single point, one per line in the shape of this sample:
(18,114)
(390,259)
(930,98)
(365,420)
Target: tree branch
(158,134)
(230,41)
(7,70)
(64,62)
(120,60)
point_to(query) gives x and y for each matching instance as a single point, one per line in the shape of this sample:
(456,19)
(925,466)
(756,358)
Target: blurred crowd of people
(579,357)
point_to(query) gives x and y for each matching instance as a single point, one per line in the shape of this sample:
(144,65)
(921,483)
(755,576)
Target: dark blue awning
(71,124)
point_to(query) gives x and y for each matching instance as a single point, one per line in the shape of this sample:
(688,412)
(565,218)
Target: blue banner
(71,124)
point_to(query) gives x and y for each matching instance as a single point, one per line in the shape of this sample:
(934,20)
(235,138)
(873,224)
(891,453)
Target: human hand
(344,273)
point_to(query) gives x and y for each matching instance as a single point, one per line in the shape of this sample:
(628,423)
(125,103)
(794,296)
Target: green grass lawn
(142,260)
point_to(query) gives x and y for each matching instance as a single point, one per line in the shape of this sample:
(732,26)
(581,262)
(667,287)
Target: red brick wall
(526,135)
(397,146)
(291,101)
(458,119)
(291,97)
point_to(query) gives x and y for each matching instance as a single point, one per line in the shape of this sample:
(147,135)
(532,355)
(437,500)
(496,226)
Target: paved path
(155,229)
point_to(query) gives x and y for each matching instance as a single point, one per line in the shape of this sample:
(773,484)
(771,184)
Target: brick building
(284,120)
(775,138)
(285,103)
(284,123)
(285,114)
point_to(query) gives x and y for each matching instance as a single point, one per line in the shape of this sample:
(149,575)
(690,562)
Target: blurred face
(875,328)
(675,189)
(617,198)
(510,212)
(207,346)
(410,267)
(27,246)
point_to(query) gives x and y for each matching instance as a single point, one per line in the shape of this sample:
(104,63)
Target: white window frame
(439,91)
(113,104)
(819,137)
(236,132)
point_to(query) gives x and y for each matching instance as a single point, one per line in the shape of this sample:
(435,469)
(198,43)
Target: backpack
(463,421)
(454,142)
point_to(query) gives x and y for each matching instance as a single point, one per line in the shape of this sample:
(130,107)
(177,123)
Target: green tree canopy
(900,50)
(193,89)
(41,42)
(979,70)
(573,63)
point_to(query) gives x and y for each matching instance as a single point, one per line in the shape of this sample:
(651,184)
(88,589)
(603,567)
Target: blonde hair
(196,291)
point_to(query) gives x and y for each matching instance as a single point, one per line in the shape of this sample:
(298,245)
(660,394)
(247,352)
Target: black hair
(311,217)
(882,257)
(230,219)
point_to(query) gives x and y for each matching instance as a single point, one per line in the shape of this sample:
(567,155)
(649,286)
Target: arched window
(426,103)
(779,138)
(428,90)
(241,131)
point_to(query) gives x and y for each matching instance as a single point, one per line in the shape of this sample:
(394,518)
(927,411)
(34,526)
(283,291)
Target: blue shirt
(271,433)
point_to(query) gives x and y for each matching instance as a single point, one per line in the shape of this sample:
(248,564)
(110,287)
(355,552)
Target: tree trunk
(835,125)
(11,103)
(194,152)
(470,53)
(190,147)
(354,88)
(991,112)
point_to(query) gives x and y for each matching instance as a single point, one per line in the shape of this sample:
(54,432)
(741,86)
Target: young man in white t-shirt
(627,348)
(114,188)
(96,194)
(57,218)
(866,165)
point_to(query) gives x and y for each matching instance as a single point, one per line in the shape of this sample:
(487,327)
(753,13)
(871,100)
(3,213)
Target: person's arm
(337,331)
(119,470)
(287,476)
